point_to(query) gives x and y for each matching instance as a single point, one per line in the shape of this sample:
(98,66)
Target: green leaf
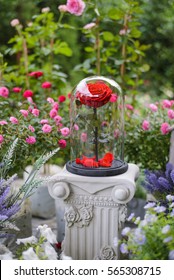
(115,14)
(144,68)
(89,49)
(108,36)
(63,48)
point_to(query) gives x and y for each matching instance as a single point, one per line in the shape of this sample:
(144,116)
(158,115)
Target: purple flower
(171,255)
(125,231)
(150,218)
(160,209)
(168,239)
(149,205)
(159,181)
(139,237)
(165,229)
(164,183)
(172,175)
(4,193)
(172,213)
(130,217)
(123,248)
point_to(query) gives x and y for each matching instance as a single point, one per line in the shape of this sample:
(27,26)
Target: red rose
(46,85)
(17,89)
(61,98)
(36,74)
(99,95)
(28,93)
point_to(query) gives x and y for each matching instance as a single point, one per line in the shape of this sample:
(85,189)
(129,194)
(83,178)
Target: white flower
(31,240)
(46,232)
(170,197)
(137,220)
(50,252)
(29,254)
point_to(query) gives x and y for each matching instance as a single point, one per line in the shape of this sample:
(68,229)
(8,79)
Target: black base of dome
(118,167)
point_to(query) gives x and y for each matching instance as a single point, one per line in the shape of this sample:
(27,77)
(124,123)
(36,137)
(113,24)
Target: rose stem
(96,134)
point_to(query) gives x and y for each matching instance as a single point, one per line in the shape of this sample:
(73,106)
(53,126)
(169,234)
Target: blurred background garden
(46,49)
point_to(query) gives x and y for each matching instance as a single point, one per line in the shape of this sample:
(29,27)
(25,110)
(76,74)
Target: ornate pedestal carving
(95,210)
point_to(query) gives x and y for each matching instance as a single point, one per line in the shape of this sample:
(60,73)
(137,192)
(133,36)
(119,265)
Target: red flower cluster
(36,74)
(100,92)
(106,161)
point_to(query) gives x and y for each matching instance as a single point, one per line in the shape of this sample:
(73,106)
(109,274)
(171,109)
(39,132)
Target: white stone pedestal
(95,210)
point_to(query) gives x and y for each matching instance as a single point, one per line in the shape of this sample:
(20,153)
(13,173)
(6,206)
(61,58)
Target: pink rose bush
(148,132)
(39,124)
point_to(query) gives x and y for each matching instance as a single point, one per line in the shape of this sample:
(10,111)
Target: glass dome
(97,128)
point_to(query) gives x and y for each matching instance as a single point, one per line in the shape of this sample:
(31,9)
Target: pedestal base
(95,211)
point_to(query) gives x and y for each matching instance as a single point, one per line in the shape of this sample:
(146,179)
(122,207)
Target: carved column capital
(59,190)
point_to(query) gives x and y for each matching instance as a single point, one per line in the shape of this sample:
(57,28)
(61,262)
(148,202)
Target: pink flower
(31,128)
(76,127)
(170,114)
(166,103)
(14,120)
(30,109)
(75,7)
(129,107)
(14,22)
(45,10)
(83,137)
(50,100)
(61,98)
(65,131)
(46,128)
(57,119)
(17,89)
(62,8)
(153,107)
(122,32)
(44,121)
(28,93)
(145,125)
(35,112)
(89,25)
(53,113)
(55,106)
(1,139)
(165,128)
(69,95)
(24,113)
(113,97)
(46,85)
(36,74)
(30,140)
(3,122)
(62,143)
(30,100)
(104,124)
(116,133)
(4,92)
